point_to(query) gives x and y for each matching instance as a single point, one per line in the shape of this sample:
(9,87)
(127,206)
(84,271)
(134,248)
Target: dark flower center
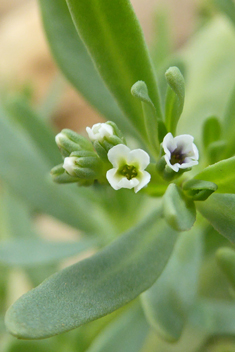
(177,157)
(129,171)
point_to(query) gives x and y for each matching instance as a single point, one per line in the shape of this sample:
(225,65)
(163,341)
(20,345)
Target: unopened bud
(59,175)
(69,141)
(84,165)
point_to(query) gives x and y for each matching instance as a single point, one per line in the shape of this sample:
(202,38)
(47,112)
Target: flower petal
(125,183)
(174,167)
(113,178)
(184,143)
(99,131)
(117,154)
(169,144)
(138,157)
(145,178)
(69,164)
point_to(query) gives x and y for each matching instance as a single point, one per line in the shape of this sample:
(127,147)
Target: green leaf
(27,173)
(126,334)
(74,61)
(211,131)
(222,174)
(140,91)
(174,98)
(38,129)
(169,301)
(226,260)
(114,39)
(26,252)
(219,210)
(95,286)
(214,317)
(178,210)
(227,7)
(199,190)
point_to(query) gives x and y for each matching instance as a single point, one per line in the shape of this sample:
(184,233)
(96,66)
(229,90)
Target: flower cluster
(88,160)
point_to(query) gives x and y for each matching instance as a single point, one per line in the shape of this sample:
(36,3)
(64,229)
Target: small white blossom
(129,165)
(99,131)
(69,165)
(58,138)
(181,152)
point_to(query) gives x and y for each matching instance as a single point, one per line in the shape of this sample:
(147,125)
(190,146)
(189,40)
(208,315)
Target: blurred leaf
(174,98)
(126,334)
(226,260)
(168,302)
(162,43)
(210,63)
(16,221)
(222,174)
(178,210)
(219,210)
(229,124)
(74,60)
(211,131)
(216,151)
(95,286)
(27,174)
(26,252)
(227,7)
(214,317)
(38,129)
(113,36)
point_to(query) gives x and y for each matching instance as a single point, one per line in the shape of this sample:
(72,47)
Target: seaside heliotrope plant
(151,207)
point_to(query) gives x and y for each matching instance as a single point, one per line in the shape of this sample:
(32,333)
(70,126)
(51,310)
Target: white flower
(129,165)
(181,152)
(69,165)
(99,131)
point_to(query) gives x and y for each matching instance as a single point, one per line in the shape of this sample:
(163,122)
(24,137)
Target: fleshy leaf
(178,210)
(126,334)
(95,286)
(219,210)
(74,61)
(169,301)
(222,174)
(114,39)
(26,252)
(174,98)
(226,260)
(198,189)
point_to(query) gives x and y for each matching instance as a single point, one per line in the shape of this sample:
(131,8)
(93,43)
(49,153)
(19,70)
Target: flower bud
(83,164)
(59,175)
(69,141)
(105,136)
